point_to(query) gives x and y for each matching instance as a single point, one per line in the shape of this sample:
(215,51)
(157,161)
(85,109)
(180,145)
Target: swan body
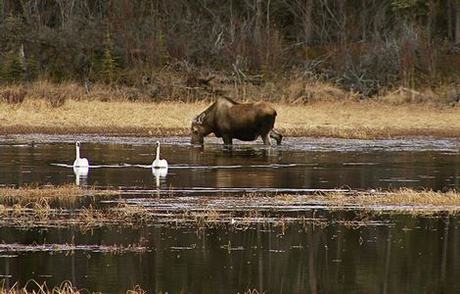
(159,163)
(79,162)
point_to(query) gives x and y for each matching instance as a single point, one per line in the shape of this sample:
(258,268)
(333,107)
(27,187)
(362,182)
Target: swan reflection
(81,174)
(159,173)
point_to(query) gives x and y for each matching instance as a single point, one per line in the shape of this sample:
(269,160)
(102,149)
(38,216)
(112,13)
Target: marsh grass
(66,287)
(364,120)
(331,119)
(239,212)
(72,248)
(43,194)
(13,95)
(329,112)
(35,287)
(401,197)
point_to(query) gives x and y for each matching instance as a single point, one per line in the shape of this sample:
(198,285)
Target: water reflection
(307,164)
(275,259)
(390,254)
(81,175)
(159,173)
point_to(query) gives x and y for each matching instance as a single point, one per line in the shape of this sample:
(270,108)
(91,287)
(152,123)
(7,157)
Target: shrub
(13,96)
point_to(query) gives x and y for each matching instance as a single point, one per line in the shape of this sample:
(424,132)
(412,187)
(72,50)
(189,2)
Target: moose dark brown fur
(230,120)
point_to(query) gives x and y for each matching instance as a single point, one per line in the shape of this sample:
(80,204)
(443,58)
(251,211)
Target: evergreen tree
(109,65)
(13,69)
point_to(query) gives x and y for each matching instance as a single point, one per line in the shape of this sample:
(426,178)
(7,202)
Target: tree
(13,69)
(457,21)
(108,62)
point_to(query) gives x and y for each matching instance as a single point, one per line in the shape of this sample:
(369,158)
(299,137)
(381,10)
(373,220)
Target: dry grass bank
(347,119)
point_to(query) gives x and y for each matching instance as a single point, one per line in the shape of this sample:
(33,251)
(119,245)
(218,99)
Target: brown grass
(329,112)
(35,287)
(367,120)
(51,191)
(402,197)
(242,212)
(330,118)
(402,201)
(66,287)
(39,197)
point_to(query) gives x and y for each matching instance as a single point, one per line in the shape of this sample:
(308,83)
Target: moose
(230,120)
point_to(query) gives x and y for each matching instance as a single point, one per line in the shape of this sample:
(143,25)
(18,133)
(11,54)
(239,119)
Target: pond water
(389,253)
(300,164)
(409,256)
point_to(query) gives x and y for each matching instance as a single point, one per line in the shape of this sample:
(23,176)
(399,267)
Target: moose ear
(200,118)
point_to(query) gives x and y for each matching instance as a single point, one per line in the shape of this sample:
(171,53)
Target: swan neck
(77,153)
(158,152)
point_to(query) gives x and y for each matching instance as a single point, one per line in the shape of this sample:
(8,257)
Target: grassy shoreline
(402,200)
(344,119)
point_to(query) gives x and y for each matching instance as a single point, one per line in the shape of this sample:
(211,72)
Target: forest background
(363,46)
(292,52)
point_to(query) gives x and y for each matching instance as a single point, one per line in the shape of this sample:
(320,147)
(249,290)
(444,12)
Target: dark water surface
(391,254)
(300,163)
(410,255)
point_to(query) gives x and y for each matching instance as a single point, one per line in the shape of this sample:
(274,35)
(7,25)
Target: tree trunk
(430,18)
(343,23)
(258,25)
(363,20)
(449,19)
(258,31)
(1,10)
(457,22)
(23,59)
(307,22)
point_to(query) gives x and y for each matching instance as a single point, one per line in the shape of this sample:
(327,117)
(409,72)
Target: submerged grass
(402,197)
(66,287)
(402,200)
(345,119)
(37,194)
(242,211)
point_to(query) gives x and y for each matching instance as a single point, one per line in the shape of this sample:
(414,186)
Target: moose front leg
(277,136)
(227,140)
(266,139)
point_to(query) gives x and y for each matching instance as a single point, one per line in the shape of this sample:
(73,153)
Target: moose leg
(266,139)
(277,136)
(227,140)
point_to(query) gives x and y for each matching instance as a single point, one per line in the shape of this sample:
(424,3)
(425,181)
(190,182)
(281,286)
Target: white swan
(79,162)
(159,163)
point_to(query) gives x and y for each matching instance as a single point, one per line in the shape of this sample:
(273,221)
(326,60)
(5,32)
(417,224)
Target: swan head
(157,143)
(77,144)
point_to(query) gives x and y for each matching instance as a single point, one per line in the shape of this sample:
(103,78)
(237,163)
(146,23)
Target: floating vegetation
(240,212)
(114,249)
(403,200)
(63,193)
